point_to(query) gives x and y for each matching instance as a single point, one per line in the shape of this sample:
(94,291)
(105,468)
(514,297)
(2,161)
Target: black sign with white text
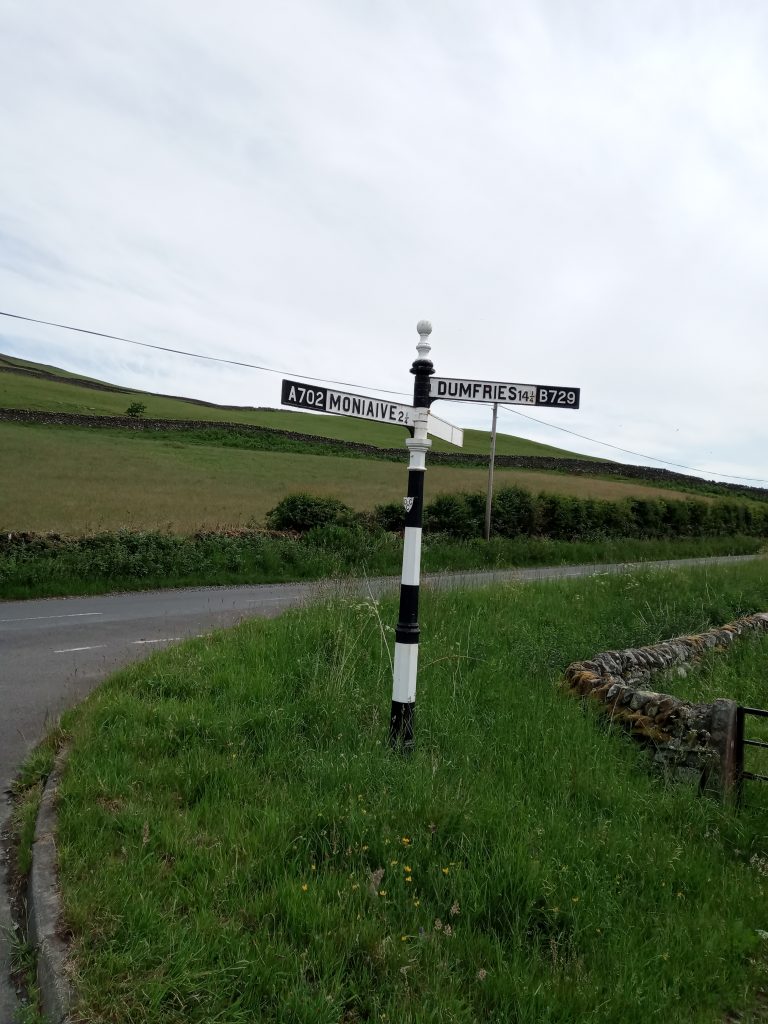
(342,403)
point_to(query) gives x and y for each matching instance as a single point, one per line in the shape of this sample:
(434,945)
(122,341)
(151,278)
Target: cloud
(572,193)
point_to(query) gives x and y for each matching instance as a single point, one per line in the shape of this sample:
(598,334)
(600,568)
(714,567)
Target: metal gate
(742,742)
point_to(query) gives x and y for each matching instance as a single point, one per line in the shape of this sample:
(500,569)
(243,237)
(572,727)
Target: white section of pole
(411,556)
(489,495)
(406,664)
(418,446)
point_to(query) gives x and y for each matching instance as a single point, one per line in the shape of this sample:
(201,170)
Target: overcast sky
(572,192)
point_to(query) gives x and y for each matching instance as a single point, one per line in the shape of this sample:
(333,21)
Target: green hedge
(518,513)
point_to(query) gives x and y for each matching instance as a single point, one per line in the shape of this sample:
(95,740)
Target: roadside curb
(44,906)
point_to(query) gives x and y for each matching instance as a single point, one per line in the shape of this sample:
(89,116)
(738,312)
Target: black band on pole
(401,725)
(423,370)
(413,514)
(408,619)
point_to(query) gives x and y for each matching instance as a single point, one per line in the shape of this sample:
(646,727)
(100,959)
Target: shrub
(454,515)
(561,517)
(513,512)
(301,512)
(390,516)
(136,409)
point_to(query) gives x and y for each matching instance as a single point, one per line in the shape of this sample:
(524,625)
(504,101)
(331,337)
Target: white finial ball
(424,327)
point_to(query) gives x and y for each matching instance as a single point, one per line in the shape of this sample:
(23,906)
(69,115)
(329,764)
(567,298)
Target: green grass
(77,481)
(23,969)
(22,392)
(236,838)
(17,361)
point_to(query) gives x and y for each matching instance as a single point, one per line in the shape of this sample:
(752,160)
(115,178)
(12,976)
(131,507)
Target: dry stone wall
(689,741)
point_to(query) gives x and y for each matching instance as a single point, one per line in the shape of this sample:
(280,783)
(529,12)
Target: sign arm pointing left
(365,407)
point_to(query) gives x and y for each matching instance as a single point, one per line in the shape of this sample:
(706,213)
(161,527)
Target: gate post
(725,738)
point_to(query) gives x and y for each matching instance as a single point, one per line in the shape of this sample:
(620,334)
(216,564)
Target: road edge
(44,906)
(9,1003)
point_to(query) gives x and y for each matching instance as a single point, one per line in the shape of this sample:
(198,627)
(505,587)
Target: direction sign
(343,403)
(456,390)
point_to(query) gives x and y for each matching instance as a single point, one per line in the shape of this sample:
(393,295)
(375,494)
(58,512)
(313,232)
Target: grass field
(237,842)
(80,481)
(22,392)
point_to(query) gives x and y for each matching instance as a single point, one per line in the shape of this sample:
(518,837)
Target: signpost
(407,631)
(491,461)
(420,422)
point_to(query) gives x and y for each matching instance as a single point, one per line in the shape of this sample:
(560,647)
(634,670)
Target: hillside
(68,480)
(37,387)
(187,464)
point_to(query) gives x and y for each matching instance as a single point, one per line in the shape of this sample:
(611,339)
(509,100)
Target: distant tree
(136,409)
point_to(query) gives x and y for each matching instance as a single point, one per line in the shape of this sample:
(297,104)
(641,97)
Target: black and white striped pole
(407,631)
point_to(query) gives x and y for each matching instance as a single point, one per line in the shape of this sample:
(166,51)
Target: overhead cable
(627,451)
(197,355)
(342,383)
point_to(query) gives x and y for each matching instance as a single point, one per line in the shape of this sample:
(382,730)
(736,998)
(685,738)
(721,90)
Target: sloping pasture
(77,480)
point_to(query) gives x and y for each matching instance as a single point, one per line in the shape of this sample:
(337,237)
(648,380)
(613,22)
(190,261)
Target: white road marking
(71,650)
(165,640)
(69,615)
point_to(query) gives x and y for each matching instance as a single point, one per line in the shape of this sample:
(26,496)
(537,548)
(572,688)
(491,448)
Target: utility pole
(407,631)
(489,495)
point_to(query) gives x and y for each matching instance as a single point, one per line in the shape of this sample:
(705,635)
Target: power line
(323,380)
(197,355)
(627,451)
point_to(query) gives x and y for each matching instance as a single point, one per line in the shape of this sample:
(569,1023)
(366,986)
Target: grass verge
(47,567)
(26,793)
(237,842)
(23,965)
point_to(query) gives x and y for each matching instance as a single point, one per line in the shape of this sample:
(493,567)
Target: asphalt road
(53,652)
